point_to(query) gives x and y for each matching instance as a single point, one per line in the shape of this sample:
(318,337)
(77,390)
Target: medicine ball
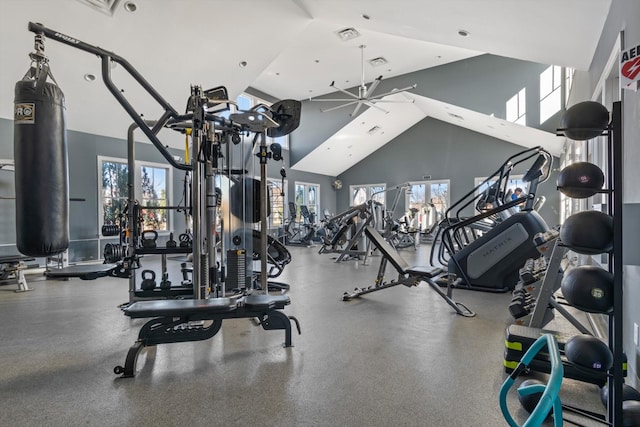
(580,180)
(628,393)
(530,401)
(588,352)
(585,120)
(631,413)
(589,289)
(588,232)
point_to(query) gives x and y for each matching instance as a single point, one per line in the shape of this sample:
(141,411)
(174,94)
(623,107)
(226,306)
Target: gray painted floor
(397,357)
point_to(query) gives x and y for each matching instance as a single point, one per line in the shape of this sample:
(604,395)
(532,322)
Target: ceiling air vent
(108,7)
(348,34)
(376,62)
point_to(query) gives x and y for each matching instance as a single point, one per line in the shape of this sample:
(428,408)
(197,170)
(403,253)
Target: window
(362,193)
(153,183)
(515,181)
(517,108)
(152,187)
(278,202)
(550,92)
(424,194)
(568,83)
(246,102)
(113,190)
(309,195)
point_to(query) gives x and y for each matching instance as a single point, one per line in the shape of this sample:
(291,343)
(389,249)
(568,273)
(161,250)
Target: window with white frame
(550,92)
(246,102)
(362,193)
(307,194)
(568,83)
(278,200)
(515,181)
(517,108)
(152,187)
(426,194)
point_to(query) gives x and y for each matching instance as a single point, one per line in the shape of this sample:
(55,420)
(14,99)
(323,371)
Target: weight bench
(177,321)
(407,275)
(12,271)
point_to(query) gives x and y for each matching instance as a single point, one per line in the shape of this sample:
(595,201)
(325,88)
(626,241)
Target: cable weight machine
(174,320)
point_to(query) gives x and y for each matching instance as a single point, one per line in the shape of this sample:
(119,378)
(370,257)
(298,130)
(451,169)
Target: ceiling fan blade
(393,101)
(371,104)
(355,111)
(394,91)
(340,106)
(332,100)
(345,92)
(374,85)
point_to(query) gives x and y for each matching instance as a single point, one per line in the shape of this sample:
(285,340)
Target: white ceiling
(290,46)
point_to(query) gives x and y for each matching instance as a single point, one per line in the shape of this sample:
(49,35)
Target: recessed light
(242,64)
(277,74)
(130,6)
(365,16)
(317,61)
(463,33)
(89,77)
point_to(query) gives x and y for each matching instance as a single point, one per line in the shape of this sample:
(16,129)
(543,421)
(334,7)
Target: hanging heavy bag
(41,165)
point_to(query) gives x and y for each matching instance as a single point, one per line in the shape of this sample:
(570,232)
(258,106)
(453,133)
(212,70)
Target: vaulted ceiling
(285,48)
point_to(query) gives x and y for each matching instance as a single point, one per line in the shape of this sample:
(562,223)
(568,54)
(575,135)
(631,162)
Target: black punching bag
(41,165)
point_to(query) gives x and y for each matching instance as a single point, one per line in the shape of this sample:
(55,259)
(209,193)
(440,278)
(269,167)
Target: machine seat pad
(424,271)
(12,259)
(178,308)
(84,272)
(265,302)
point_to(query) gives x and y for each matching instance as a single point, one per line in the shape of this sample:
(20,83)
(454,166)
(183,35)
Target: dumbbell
(148,280)
(518,309)
(185,274)
(149,238)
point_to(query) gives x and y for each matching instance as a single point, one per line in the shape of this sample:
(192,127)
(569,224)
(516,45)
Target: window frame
(521,107)
(317,210)
(137,187)
(382,194)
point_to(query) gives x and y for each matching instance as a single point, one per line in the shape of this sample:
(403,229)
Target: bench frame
(188,320)
(407,275)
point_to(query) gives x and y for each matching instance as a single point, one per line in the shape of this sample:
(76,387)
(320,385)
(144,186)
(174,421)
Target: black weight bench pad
(424,271)
(13,259)
(84,272)
(395,259)
(265,302)
(178,308)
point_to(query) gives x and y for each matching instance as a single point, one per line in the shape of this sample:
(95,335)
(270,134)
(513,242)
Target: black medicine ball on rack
(589,289)
(588,232)
(580,180)
(588,352)
(585,120)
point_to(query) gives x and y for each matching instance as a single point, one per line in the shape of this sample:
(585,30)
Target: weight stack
(236,269)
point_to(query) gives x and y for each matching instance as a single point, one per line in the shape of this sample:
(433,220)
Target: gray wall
(623,16)
(443,151)
(84,149)
(483,83)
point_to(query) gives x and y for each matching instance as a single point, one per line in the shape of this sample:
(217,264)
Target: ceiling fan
(365,94)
